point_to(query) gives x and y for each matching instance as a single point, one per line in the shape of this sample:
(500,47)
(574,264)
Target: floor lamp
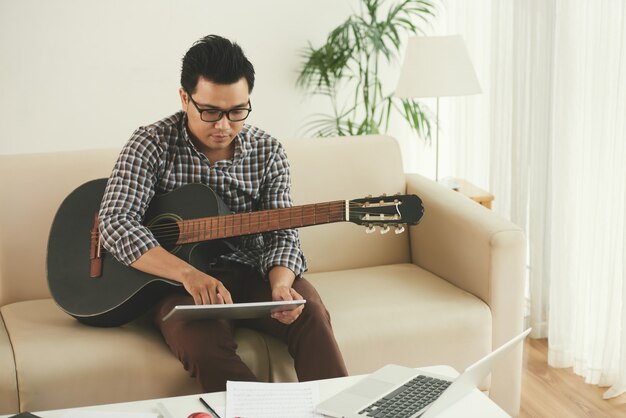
(437,66)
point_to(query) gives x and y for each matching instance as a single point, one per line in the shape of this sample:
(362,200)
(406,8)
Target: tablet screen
(230,311)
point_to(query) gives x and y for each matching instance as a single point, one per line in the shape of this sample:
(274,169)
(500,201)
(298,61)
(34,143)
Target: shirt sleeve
(282,247)
(126,197)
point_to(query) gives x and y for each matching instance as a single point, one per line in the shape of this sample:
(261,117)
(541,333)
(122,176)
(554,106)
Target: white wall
(82,74)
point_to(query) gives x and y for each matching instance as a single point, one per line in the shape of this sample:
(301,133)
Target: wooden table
(473,192)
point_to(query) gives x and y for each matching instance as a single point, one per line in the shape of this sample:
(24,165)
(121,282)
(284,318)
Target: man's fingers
(210,293)
(205,297)
(224,293)
(297,312)
(288,317)
(282,293)
(294,294)
(213,295)
(197,299)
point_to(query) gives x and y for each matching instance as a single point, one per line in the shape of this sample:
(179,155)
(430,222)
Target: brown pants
(207,348)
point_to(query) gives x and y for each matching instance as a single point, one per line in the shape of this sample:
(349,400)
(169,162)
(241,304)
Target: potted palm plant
(350,61)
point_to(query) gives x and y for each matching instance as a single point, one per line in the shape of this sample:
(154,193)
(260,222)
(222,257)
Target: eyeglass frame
(221,113)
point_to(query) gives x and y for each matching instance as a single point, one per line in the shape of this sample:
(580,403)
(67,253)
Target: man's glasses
(213,115)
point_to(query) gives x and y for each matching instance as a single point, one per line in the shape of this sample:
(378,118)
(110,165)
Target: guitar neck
(238,224)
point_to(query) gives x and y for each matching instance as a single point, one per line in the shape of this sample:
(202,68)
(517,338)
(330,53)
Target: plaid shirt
(161,157)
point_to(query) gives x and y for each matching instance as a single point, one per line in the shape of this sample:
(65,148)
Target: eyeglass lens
(233,115)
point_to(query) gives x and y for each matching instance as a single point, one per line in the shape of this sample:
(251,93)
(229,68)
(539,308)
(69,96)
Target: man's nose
(223,123)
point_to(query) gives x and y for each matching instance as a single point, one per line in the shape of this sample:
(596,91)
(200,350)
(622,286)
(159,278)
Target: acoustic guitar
(191,222)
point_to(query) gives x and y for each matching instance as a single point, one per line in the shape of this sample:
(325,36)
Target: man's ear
(184,99)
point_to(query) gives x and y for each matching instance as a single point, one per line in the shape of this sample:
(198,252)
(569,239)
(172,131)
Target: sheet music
(272,400)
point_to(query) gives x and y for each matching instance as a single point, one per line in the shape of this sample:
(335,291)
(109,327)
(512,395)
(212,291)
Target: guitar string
(174,234)
(201,223)
(174,225)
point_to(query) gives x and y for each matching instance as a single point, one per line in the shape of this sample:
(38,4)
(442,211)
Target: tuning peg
(370,229)
(399,229)
(384,229)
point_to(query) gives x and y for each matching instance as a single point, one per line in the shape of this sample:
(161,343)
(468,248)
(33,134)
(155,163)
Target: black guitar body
(113,294)
(122,293)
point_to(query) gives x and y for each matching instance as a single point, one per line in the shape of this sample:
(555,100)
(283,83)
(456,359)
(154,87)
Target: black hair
(218,60)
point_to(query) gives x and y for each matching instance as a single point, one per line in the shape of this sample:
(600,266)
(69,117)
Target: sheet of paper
(108,414)
(272,400)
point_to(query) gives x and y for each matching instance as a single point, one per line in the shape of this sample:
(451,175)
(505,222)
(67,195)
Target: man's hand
(281,279)
(205,289)
(286,293)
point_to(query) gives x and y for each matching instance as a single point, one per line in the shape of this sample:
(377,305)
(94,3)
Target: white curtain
(547,137)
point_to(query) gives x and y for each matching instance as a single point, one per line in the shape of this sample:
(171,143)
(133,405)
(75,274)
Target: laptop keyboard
(408,399)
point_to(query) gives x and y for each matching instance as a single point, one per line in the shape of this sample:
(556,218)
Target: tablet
(231,311)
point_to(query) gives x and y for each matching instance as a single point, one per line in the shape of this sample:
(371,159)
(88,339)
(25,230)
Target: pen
(211,410)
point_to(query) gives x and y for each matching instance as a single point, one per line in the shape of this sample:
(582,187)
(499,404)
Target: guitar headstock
(386,212)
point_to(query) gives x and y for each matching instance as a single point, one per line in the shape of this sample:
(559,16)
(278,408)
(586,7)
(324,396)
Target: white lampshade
(437,66)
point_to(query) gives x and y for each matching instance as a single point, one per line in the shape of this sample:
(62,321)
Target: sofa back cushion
(33,186)
(328,169)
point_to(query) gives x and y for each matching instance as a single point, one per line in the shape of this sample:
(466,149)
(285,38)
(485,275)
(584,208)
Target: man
(208,142)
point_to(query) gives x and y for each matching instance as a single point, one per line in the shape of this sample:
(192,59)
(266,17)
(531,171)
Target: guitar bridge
(95,256)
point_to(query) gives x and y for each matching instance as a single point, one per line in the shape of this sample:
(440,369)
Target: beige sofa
(445,292)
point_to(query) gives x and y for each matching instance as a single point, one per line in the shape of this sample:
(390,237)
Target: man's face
(215,139)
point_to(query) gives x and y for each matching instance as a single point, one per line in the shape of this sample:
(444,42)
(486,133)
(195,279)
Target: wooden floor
(555,393)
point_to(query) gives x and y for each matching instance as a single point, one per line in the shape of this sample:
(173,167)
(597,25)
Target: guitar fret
(339,211)
(236,225)
(218,227)
(245,223)
(228,227)
(308,212)
(222,226)
(298,211)
(212,228)
(326,206)
(321,211)
(274,220)
(227,220)
(196,230)
(254,222)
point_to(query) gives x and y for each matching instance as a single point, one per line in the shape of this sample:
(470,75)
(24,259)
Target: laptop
(398,391)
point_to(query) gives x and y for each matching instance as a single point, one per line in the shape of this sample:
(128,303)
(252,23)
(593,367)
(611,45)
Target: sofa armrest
(480,252)
(9,402)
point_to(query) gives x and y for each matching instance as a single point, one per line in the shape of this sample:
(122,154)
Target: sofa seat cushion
(62,363)
(403,314)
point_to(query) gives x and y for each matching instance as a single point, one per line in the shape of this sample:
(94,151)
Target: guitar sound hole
(166,230)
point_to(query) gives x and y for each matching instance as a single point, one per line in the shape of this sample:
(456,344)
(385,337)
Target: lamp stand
(448,181)
(437,142)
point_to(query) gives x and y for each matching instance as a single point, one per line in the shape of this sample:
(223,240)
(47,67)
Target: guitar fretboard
(238,224)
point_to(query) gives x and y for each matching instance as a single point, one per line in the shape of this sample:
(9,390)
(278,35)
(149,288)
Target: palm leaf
(350,58)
